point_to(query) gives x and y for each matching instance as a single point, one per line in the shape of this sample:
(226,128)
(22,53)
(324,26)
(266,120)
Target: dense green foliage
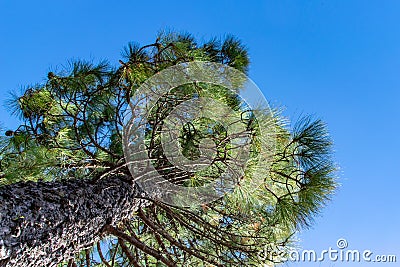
(72,129)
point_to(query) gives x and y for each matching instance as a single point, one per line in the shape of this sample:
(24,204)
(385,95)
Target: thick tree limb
(45,223)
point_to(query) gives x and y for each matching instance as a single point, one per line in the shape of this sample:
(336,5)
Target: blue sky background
(339,60)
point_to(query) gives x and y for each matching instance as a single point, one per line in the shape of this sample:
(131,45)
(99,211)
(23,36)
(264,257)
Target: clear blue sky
(339,60)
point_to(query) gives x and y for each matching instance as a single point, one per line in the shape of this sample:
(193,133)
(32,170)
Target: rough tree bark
(44,223)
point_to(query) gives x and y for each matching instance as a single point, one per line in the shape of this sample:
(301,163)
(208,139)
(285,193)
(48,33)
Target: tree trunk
(45,223)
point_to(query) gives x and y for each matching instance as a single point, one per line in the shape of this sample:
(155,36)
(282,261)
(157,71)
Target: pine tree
(69,198)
